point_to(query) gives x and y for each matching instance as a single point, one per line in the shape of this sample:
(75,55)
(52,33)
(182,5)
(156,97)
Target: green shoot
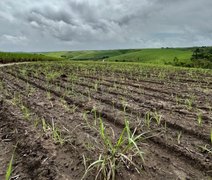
(44,125)
(199,119)
(211,136)
(36,122)
(96,86)
(26,112)
(74,108)
(147,119)
(56,134)
(9,169)
(16,99)
(48,94)
(189,103)
(177,99)
(54,131)
(85,117)
(50,76)
(124,105)
(179,137)
(23,72)
(157,117)
(115,154)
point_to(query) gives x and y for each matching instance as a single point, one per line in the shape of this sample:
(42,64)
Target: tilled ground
(179,147)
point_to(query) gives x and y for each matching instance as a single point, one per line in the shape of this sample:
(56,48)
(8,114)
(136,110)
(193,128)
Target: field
(6,57)
(153,56)
(82,120)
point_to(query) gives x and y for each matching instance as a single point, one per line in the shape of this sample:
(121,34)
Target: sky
(55,25)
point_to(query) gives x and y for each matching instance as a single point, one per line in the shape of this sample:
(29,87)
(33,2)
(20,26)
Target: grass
(6,57)
(148,119)
(9,169)
(55,54)
(114,153)
(189,103)
(54,131)
(85,114)
(26,112)
(181,57)
(153,56)
(160,56)
(10,166)
(199,118)
(89,55)
(157,117)
(179,135)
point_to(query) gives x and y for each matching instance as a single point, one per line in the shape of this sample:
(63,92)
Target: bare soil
(180,147)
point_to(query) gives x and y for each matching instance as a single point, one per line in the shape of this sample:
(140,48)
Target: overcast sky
(49,25)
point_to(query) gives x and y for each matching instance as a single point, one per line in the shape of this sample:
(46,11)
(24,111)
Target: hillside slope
(156,56)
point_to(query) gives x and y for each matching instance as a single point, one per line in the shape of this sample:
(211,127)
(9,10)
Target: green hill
(90,55)
(162,56)
(156,56)
(55,54)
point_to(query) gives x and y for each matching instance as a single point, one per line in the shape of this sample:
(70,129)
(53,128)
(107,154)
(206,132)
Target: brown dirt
(38,156)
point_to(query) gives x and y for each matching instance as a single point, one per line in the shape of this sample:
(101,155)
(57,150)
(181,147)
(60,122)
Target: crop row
(85,114)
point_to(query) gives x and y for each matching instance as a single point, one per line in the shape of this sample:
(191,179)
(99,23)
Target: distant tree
(210,51)
(176,60)
(197,54)
(202,57)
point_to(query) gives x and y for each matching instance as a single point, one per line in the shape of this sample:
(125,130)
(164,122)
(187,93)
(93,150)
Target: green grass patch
(6,57)
(153,56)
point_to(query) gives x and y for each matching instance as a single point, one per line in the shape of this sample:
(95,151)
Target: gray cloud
(81,24)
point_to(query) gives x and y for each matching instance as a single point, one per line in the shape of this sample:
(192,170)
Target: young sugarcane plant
(85,117)
(26,112)
(157,117)
(199,119)
(177,99)
(124,105)
(56,134)
(16,99)
(179,135)
(189,103)
(45,126)
(54,131)
(211,136)
(9,169)
(10,166)
(51,76)
(96,84)
(147,119)
(113,154)
(48,95)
